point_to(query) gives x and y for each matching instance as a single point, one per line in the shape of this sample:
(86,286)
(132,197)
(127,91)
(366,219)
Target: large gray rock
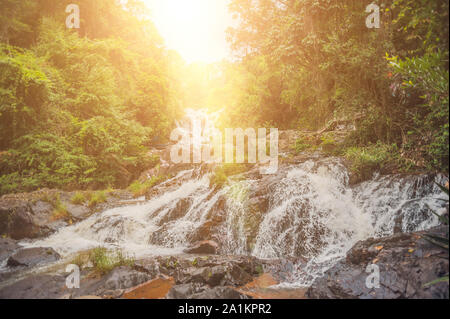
(31,215)
(184,291)
(124,278)
(7,248)
(16,220)
(112,284)
(36,287)
(180,209)
(24,216)
(29,257)
(78,212)
(407,262)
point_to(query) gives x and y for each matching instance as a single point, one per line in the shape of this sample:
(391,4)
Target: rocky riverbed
(407,263)
(201,276)
(308,231)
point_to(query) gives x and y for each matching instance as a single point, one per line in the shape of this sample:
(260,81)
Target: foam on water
(313,216)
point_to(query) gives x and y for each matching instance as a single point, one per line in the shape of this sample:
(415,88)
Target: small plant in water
(60,211)
(97,198)
(105,260)
(141,188)
(78,199)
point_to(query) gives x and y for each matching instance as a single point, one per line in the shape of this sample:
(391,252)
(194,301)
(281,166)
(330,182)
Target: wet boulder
(7,248)
(407,263)
(29,257)
(183,291)
(112,284)
(177,212)
(43,286)
(16,219)
(78,212)
(124,278)
(203,247)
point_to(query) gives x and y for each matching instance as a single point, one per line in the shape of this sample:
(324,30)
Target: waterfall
(307,213)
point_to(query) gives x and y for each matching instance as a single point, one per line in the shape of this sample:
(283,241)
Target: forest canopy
(79,107)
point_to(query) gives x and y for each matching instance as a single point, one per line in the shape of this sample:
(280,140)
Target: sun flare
(194,28)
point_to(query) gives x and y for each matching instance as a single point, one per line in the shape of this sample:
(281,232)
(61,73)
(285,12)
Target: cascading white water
(312,214)
(317,216)
(306,212)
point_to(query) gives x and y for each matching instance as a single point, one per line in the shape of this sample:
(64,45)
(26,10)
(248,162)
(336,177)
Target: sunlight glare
(194,28)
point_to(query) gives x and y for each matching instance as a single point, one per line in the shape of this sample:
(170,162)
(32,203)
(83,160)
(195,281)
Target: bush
(301,145)
(366,160)
(78,199)
(60,211)
(97,198)
(427,119)
(106,260)
(141,188)
(221,173)
(329,145)
(103,260)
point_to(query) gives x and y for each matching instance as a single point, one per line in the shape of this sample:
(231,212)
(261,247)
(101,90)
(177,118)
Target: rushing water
(307,213)
(310,214)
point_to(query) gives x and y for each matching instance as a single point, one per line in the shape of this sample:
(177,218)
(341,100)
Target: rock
(30,215)
(7,248)
(23,216)
(204,232)
(33,256)
(210,228)
(36,287)
(16,219)
(79,212)
(41,210)
(124,278)
(184,291)
(211,276)
(406,262)
(256,208)
(43,218)
(219,293)
(198,275)
(263,281)
(236,276)
(153,289)
(203,247)
(180,209)
(215,275)
(111,285)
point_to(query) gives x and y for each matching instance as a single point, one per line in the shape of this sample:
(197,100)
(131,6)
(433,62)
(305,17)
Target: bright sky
(194,28)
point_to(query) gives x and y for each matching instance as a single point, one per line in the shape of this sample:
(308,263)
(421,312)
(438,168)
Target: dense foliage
(78,107)
(303,63)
